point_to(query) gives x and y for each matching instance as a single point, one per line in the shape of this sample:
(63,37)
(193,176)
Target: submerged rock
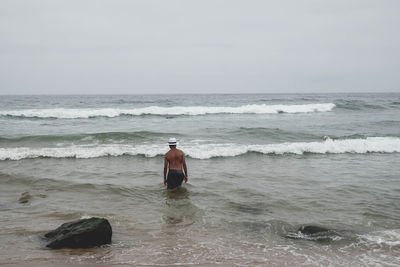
(315,233)
(312,229)
(82,233)
(322,234)
(25,197)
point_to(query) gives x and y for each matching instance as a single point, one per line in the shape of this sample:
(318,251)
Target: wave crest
(63,113)
(207,151)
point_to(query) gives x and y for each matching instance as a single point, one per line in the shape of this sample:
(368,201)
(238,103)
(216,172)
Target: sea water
(260,167)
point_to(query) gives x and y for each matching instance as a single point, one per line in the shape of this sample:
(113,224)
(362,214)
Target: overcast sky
(115,46)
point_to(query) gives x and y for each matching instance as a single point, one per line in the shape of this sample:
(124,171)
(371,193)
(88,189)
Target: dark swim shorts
(174,178)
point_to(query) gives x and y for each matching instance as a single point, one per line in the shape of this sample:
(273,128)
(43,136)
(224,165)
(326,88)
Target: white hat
(172,141)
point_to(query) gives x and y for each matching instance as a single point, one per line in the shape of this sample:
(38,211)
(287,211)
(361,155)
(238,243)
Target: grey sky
(95,47)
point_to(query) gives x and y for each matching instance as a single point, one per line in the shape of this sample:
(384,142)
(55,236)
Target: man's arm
(165,170)
(185,169)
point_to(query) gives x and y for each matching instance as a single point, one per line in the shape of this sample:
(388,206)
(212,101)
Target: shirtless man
(174,161)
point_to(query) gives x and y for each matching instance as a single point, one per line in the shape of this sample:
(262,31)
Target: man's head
(172,142)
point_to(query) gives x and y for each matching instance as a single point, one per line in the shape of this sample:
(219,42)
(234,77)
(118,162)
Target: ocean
(260,166)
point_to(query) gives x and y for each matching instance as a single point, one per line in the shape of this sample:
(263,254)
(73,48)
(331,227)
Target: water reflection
(178,209)
(178,214)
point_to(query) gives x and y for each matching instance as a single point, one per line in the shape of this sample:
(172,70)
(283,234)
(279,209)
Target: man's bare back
(174,161)
(175,158)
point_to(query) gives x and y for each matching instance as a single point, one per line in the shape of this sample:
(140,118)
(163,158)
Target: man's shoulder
(174,152)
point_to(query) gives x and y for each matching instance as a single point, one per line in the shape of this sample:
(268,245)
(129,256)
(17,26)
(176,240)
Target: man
(174,161)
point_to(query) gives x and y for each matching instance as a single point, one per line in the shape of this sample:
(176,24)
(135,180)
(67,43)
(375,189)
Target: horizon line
(254,93)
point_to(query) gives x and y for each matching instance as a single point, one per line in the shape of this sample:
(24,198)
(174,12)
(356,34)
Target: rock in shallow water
(314,233)
(312,229)
(82,233)
(25,197)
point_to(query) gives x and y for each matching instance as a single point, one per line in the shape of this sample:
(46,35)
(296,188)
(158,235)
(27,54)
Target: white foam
(177,110)
(86,217)
(361,146)
(206,151)
(80,151)
(390,238)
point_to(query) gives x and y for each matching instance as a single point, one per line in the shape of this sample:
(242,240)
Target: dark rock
(322,234)
(82,233)
(312,229)
(313,233)
(25,197)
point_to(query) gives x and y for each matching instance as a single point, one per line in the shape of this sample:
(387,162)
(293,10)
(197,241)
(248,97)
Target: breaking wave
(207,151)
(64,113)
